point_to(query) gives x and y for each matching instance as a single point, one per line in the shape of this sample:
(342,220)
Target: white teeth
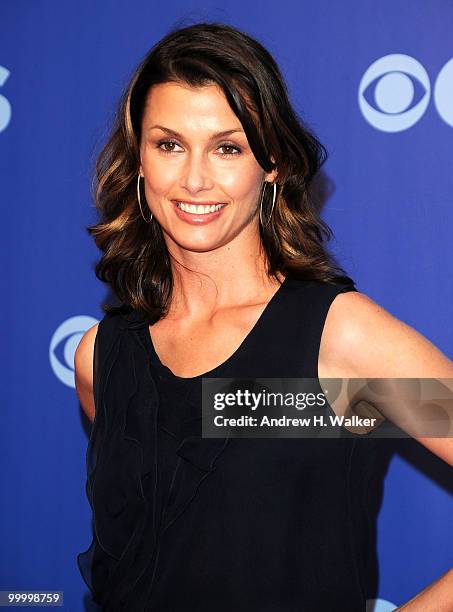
(198,209)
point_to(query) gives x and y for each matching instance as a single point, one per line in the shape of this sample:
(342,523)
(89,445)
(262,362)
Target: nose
(196,174)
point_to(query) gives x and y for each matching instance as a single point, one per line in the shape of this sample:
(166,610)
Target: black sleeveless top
(185,523)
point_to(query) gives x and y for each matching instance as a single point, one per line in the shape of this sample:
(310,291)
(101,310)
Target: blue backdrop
(375,82)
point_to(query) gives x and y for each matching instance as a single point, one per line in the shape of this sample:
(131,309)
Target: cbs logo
(395,92)
(63,346)
(5,106)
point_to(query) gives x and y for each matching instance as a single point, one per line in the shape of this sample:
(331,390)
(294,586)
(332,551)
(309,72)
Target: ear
(271,177)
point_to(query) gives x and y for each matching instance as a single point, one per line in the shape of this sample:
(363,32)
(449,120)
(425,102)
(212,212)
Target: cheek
(160,178)
(241,183)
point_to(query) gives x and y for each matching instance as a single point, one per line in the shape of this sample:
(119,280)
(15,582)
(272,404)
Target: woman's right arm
(83,368)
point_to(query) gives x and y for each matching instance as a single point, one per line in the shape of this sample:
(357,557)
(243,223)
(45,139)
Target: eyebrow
(178,135)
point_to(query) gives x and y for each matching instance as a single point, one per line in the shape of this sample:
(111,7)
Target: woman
(214,247)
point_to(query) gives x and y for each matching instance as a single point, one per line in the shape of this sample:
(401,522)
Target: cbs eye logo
(379,605)
(5,106)
(395,92)
(63,346)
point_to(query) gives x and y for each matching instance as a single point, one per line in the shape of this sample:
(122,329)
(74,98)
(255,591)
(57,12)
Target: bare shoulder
(362,339)
(83,368)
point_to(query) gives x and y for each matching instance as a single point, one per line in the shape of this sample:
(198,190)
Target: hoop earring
(140,202)
(274,197)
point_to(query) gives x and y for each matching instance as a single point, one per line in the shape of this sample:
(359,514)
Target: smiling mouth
(198,209)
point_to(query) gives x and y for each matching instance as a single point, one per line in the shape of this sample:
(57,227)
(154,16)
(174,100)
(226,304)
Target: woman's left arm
(366,341)
(372,343)
(369,342)
(436,597)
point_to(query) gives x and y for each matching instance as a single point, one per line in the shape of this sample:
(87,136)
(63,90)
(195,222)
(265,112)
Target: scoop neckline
(222,365)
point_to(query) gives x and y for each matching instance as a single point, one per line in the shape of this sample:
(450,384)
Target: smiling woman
(203,124)
(213,244)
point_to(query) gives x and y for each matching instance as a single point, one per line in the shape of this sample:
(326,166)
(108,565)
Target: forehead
(182,107)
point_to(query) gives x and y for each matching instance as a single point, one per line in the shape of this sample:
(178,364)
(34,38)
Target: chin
(200,245)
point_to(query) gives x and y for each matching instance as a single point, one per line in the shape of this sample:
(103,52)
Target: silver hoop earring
(274,197)
(140,202)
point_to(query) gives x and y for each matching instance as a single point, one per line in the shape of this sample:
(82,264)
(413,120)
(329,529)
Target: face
(202,181)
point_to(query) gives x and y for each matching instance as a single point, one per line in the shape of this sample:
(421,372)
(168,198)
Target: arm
(83,368)
(437,597)
(366,341)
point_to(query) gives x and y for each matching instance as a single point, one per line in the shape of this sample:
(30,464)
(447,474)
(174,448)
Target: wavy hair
(136,263)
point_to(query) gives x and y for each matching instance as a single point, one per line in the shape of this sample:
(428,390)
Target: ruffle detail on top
(122,461)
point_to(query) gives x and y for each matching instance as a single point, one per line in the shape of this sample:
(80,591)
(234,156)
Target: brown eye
(230,150)
(167,146)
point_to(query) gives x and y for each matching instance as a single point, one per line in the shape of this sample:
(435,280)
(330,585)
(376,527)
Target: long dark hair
(135,261)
